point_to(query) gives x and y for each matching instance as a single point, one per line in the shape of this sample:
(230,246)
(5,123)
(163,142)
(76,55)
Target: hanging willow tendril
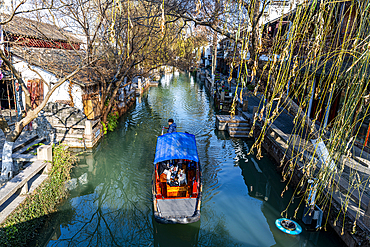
(322,62)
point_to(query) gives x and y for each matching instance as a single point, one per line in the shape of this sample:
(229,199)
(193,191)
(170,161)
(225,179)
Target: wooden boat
(176,200)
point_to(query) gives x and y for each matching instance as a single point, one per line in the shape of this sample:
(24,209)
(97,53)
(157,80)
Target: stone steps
(24,143)
(223,121)
(238,125)
(239,129)
(19,150)
(15,191)
(238,132)
(240,136)
(29,146)
(246,128)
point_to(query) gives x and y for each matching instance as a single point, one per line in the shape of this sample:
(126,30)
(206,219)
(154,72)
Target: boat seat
(195,189)
(177,191)
(163,178)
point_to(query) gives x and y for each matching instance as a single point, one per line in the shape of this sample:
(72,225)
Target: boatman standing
(171,126)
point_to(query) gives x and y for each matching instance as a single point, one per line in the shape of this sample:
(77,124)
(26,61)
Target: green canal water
(112,206)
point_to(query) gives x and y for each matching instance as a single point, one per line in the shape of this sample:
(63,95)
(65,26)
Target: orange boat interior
(165,190)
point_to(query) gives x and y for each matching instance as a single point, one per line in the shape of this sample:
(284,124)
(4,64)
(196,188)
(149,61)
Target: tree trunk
(110,104)
(7,161)
(106,108)
(11,136)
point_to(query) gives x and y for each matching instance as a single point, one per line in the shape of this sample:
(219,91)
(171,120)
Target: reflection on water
(175,235)
(241,195)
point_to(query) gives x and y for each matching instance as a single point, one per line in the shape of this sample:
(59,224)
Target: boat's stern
(177,220)
(177,211)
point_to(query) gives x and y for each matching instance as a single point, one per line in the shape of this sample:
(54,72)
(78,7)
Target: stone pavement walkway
(285,123)
(355,166)
(287,136)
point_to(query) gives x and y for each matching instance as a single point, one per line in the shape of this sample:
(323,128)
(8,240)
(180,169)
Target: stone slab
(229,119)
(240,136)
(24,148)
(69,135)
(19,180)
(247,115)
(23,141)
(74,126)
(25,158)
(8,209)
(16,199)
(238,132)
(36,181)
(231,128)
(238,124)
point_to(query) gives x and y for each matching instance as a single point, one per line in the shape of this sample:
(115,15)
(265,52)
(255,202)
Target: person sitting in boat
(170,170)
(167,169)
(168,175)
(174,168)
(162,166)
(171,126)
(181,177)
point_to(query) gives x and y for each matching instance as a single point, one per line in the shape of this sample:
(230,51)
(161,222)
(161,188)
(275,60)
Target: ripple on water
(115,208)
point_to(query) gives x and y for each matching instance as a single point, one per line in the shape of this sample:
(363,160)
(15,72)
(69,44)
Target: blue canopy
(176,145)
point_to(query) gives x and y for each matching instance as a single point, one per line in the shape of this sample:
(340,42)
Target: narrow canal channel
(113,207)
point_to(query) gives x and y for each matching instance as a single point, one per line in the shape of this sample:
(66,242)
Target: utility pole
(214,61)
(1,27)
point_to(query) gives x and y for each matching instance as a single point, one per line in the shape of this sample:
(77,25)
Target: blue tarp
(176,145)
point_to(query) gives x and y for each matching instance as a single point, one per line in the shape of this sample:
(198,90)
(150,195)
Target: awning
(176,145)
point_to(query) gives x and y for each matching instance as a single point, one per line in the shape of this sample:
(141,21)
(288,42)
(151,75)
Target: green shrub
(112,121)
(104,128)
(21,226)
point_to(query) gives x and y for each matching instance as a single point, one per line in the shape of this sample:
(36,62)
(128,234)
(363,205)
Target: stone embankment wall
(277,146)
(126,98)
(65,124)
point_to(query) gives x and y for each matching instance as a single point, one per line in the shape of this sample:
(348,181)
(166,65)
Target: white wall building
(276,9)
(45,54)
(30,72)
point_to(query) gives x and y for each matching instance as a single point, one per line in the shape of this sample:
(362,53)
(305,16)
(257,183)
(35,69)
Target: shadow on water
(113,207)
(175,235)
(49,225)
(263,184)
